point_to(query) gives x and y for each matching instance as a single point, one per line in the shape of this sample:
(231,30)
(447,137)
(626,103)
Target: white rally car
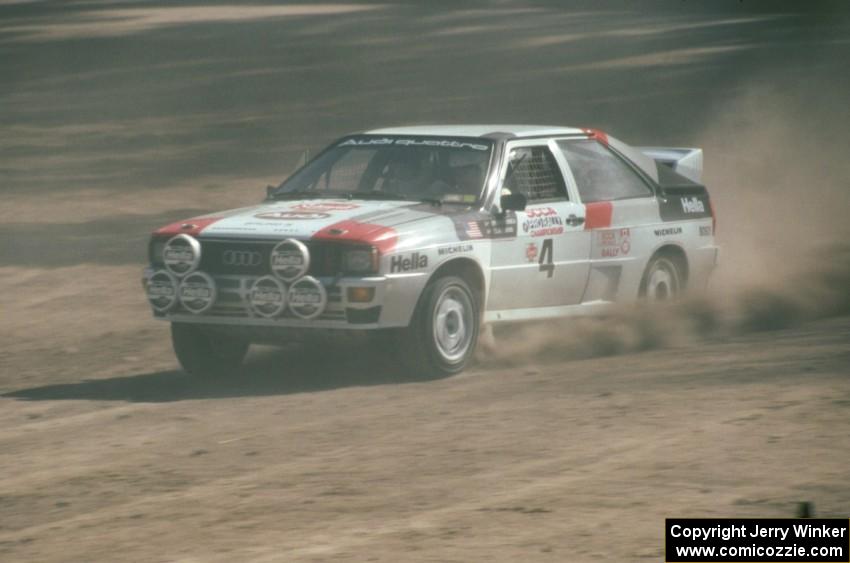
(428,233)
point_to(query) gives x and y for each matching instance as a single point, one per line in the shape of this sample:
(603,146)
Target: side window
(600,175)
(533,172)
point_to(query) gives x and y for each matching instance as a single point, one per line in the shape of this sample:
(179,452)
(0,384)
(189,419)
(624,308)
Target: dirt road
(577,462)
(118,117)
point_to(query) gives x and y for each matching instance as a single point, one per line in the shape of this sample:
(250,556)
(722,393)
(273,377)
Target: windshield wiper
(372,195)
(297,194)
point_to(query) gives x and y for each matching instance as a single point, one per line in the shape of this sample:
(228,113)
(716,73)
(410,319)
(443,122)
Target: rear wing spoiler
(685,162)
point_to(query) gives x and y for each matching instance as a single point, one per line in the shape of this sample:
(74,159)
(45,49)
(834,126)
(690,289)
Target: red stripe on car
(598,215)
(354,232)
(597,135)
(188,227)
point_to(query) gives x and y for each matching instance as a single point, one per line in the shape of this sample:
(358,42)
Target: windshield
(445,169)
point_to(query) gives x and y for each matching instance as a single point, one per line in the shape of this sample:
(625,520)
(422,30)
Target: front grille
(325,259)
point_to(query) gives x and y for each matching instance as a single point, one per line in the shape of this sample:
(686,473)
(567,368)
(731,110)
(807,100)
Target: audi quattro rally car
(427,233)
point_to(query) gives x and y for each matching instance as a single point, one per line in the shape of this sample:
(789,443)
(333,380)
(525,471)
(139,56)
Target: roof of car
(477,130)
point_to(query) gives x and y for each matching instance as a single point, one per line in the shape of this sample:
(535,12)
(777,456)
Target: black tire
(205,354)
(443,333)
(662,281)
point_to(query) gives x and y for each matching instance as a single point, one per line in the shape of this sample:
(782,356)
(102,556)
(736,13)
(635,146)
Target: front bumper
(389,307)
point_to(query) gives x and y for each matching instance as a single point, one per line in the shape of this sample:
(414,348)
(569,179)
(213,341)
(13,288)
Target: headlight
(181,255)
(360,261)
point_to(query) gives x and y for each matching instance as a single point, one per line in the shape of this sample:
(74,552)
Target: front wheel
(662,280)
(206,354)
(443,333)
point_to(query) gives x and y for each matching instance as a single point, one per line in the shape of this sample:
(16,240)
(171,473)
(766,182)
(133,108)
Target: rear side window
(600,175)
(533,172)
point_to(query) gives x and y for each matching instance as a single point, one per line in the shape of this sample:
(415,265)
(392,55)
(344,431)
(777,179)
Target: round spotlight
(307,298)
(290,260)
(267,297)
(181,254)
(197,292)
(162,291)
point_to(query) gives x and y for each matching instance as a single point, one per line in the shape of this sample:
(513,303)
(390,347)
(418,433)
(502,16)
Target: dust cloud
(777,172)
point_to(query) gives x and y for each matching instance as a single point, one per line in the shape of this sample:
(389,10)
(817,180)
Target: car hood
(367,221)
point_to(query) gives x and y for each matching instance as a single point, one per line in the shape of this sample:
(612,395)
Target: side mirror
(269,191)
(513,202)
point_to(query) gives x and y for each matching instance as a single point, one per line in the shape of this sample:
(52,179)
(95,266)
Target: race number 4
(547,262)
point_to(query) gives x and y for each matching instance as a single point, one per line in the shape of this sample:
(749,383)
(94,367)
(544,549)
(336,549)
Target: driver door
(547,263)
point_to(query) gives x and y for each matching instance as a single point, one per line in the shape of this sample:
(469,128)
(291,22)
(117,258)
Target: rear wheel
(443,333)
(662,280)
(205,354)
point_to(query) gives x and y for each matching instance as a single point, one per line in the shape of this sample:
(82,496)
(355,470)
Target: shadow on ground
(267,372)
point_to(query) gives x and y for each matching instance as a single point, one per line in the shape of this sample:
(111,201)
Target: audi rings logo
(241,258)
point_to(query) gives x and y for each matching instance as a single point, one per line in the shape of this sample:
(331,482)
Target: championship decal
(292,215)
(542,221)
(614,243)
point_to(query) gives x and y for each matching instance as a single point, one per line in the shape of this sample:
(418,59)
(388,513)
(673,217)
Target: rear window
(601,175)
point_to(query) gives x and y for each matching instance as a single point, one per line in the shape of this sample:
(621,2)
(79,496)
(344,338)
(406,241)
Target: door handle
(574,220)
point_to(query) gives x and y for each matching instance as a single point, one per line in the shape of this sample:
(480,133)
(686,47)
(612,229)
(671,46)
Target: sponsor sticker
(614,242)
(408,263)
(293,215)
(162,291)
(705,230)
(692,205)
(307,298)
(446,143)
(267,297)
(197,292)
(668,232)
(504,226)
(473,230)
(290,259)
(531,252)
(181,254)
(542,221)
(454,249)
